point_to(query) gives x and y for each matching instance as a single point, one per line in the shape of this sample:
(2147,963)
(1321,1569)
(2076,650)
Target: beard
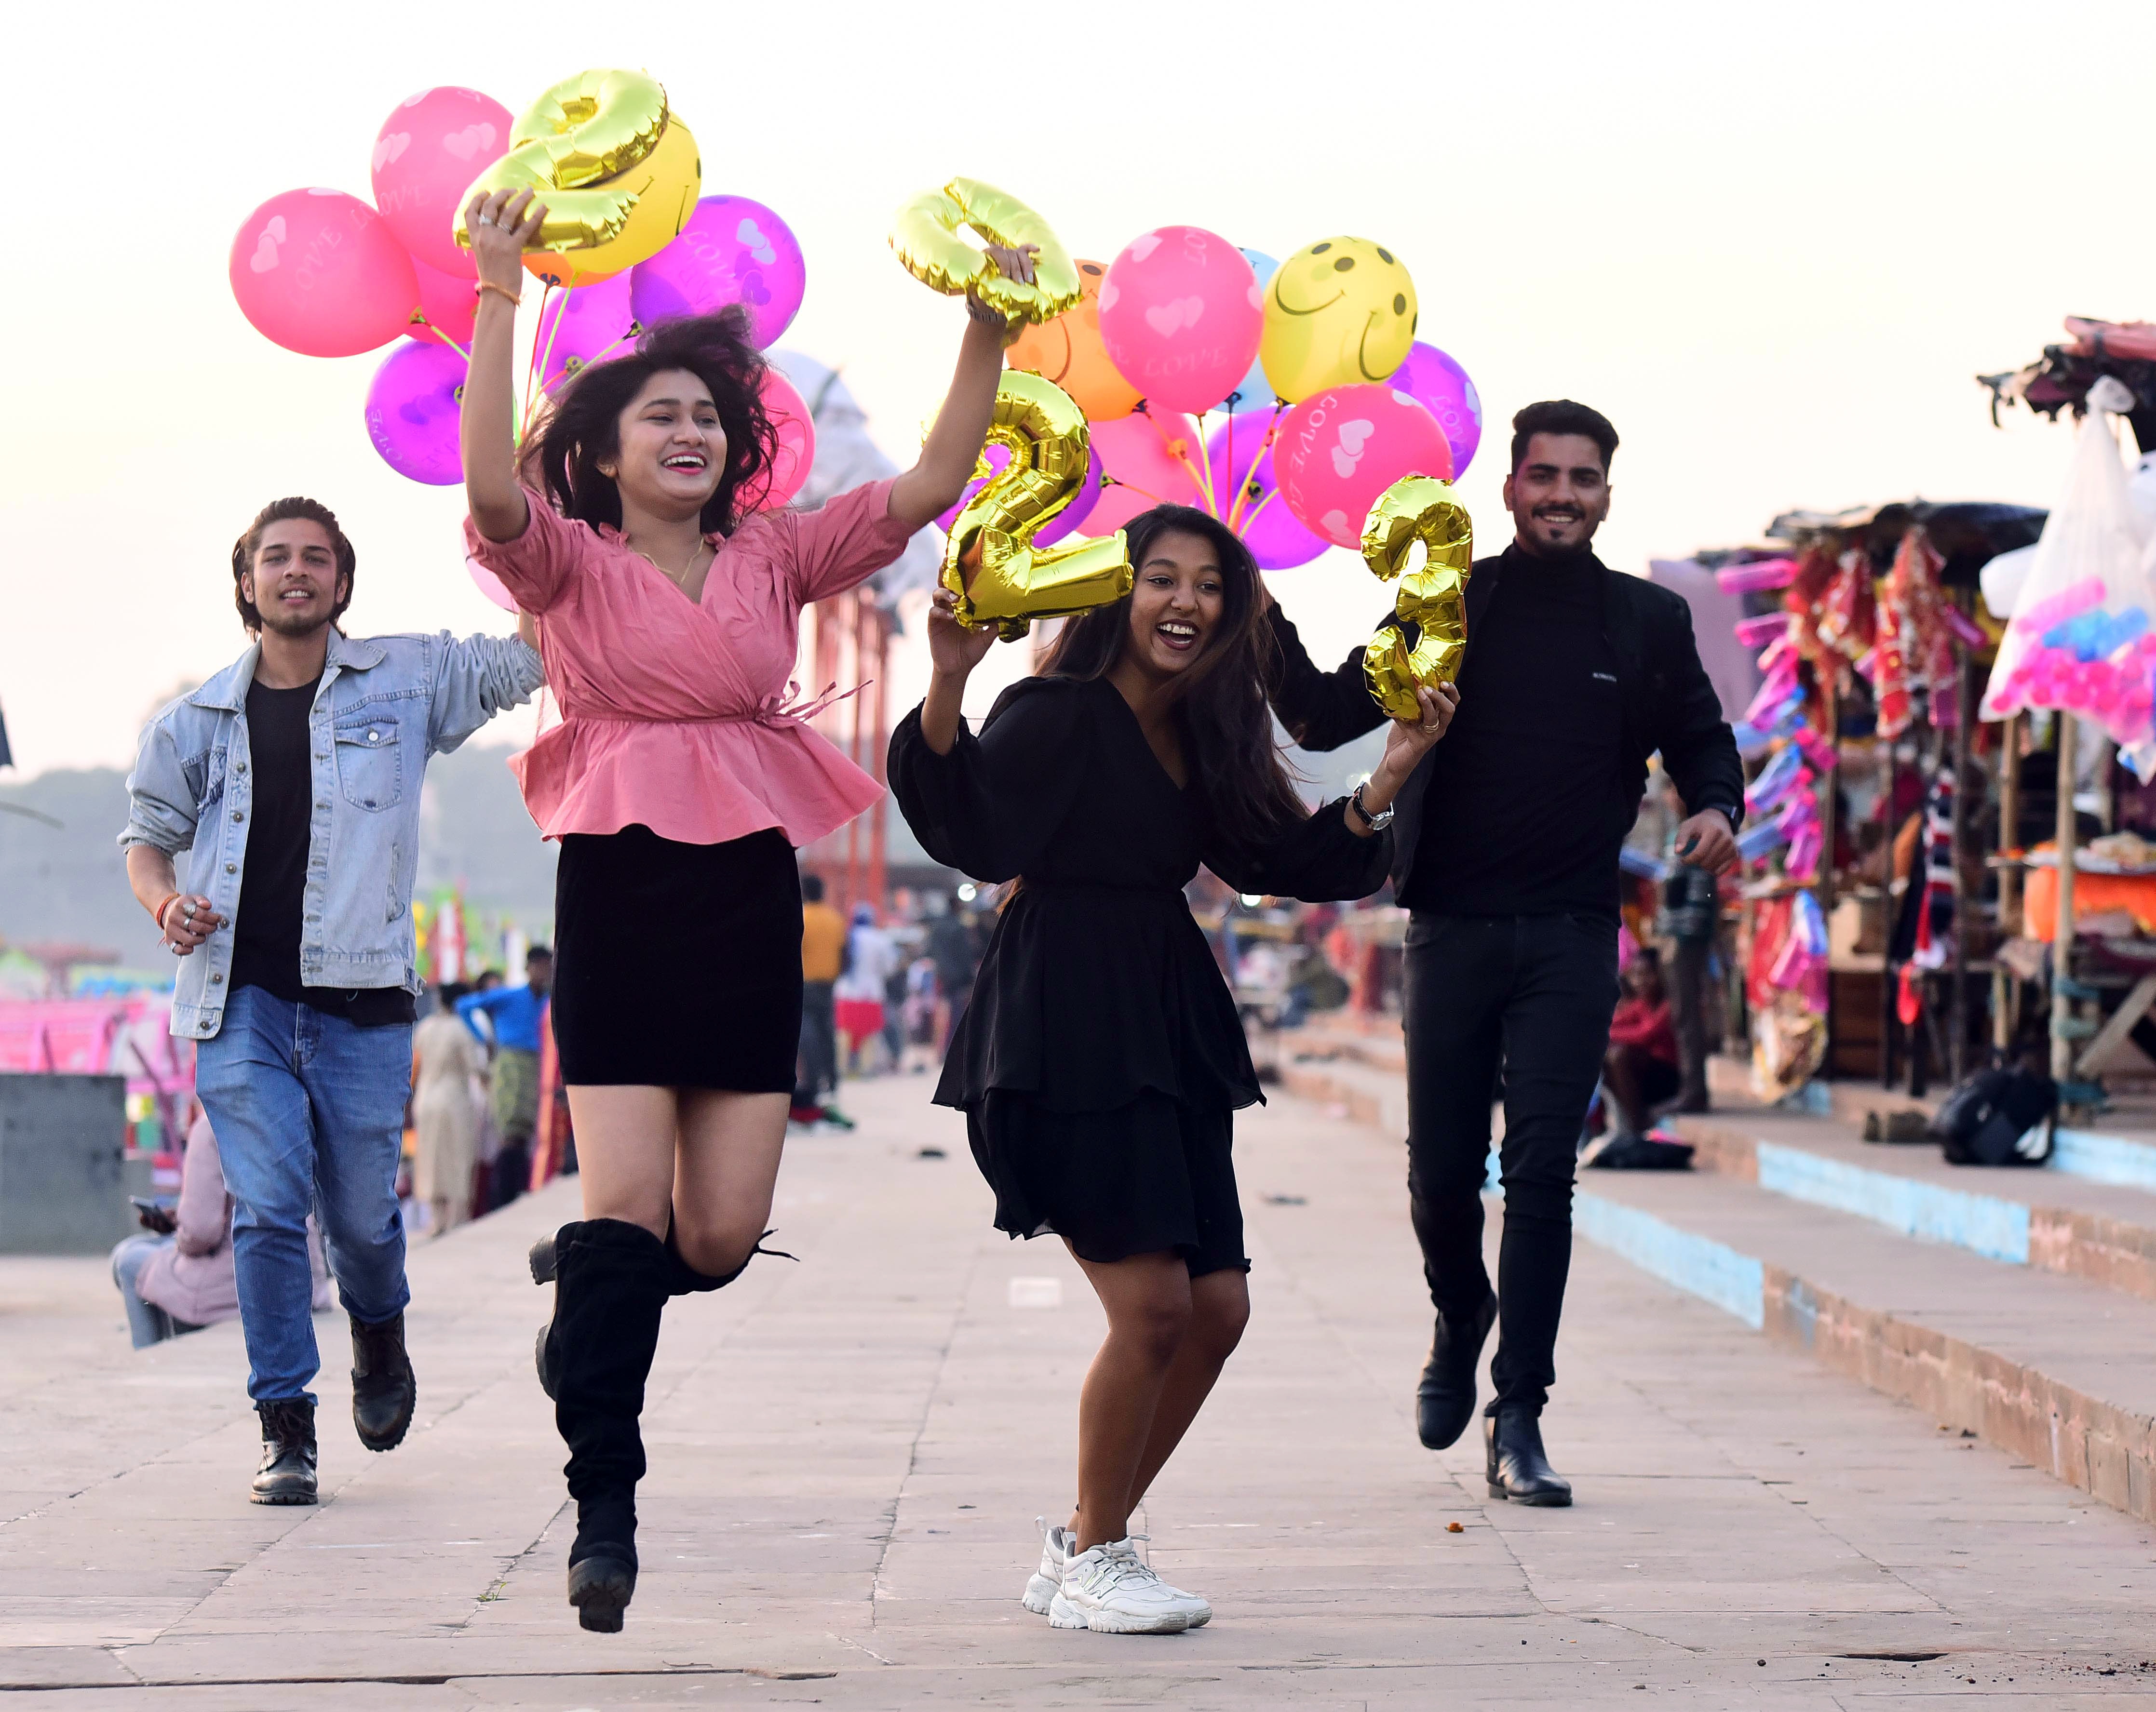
(292,625)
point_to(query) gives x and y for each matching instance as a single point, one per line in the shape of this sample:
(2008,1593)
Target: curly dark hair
(1235,760)
(582,428)
(281,511)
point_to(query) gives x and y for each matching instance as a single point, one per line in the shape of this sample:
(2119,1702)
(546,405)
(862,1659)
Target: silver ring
(188,908)
(484,220)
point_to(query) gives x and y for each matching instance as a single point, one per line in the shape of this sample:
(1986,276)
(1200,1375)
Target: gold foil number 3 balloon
(1432,601)
(1011,581)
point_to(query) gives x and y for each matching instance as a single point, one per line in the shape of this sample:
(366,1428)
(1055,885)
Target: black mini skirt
(677,966)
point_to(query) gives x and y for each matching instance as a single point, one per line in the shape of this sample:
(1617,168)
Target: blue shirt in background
(513,1012)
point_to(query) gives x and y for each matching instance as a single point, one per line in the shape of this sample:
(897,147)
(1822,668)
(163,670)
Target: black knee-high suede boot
(683,1279)
(609,1288)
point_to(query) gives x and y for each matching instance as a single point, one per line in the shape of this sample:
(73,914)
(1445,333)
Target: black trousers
(1528,997)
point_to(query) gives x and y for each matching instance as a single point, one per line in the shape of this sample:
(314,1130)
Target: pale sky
(1772,244)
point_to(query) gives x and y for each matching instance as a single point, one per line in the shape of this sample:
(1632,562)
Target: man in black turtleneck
(1506,853)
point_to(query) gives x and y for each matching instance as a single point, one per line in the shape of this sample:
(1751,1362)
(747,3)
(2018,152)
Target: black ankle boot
(287,1473)
(384,1389)
(1445,1400)
(1517,1468)
(609,1288)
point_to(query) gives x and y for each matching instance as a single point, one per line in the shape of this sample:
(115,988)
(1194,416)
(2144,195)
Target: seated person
(179,1278)
(1641,1068)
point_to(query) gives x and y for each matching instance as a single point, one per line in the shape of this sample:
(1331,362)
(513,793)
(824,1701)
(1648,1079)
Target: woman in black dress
(1102,1058)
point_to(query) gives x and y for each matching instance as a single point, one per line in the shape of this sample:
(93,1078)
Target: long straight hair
(1220,696)
(581,429)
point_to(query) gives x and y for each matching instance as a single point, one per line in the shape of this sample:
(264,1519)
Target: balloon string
(1251,517)
(446,340)
(1241,520)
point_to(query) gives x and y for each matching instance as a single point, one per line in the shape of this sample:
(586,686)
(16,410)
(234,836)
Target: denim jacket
(385,705)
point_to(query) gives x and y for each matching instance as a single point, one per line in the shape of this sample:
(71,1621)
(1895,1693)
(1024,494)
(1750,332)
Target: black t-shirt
(1526,807)
(265,928)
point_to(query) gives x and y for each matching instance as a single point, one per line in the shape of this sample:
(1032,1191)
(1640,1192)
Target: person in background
(1506,859)
(860,991)
(1639,1068)
(1692,917)
(517,1014)
(295,776)
(822,952)
(921,1016)
(952,945)
(447,1062)
(178,1276)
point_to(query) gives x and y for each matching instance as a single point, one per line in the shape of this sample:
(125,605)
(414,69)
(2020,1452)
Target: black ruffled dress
(1101,1055)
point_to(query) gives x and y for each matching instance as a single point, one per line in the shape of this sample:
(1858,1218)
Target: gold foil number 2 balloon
(1433,600)
(925,238)
(1011,581)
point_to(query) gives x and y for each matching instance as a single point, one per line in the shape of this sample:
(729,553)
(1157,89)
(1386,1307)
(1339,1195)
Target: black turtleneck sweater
(1526,807)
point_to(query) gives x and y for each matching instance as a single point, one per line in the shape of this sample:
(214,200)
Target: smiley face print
(1339,312)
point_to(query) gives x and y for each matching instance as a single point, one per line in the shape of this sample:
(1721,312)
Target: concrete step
(2053,1220)
(2046,1357)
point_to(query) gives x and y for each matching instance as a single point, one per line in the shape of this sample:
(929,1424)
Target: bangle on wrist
(515,297)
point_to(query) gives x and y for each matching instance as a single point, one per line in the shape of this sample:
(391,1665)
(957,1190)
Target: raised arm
(1320,710)
(937,479)
(500,226)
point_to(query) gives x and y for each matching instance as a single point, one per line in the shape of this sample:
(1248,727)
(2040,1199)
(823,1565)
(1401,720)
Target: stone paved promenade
(848,1455)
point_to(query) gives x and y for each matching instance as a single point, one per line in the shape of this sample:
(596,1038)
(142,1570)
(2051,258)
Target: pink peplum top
(675,713)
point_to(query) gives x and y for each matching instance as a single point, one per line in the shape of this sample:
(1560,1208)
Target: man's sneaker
(836,1119)
(1108,1589)
(1048,1579)
(287,1473)
(1194,1607)
(383,1391)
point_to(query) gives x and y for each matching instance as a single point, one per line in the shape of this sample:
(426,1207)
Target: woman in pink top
(679,783)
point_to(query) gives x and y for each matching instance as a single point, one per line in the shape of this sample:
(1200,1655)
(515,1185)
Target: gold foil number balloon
(1432,601)
(925,239)
(619,174)
(1338,313)
(1012,581)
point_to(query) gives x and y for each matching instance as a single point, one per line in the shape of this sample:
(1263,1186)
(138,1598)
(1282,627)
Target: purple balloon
(733,250)
(412,407)
(1065,521)
(585,325)
(1441,387)
(1276,540)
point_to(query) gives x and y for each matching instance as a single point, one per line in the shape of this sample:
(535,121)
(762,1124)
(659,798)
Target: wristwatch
(1377,823)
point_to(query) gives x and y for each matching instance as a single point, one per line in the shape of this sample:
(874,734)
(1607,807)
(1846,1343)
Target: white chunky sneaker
(1199,1612)
(1048,1579)
(1107,1589)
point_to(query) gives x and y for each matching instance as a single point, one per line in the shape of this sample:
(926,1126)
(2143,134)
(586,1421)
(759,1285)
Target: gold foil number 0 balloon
(1012,581)
(617,171)
(925,238)
(1432,601)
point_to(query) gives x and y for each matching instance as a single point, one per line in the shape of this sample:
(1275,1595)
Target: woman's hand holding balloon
(937,482)
(501,224)
(954,652)
(1406,742)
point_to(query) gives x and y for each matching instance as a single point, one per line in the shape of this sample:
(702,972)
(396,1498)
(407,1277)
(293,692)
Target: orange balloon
(1068,351)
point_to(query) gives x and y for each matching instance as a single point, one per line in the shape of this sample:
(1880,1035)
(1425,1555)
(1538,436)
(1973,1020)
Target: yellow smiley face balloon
(1339,313)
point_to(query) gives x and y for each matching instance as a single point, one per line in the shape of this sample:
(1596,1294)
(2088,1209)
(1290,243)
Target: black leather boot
(287,1473)
(384,1391)
(1445,1400)
(543,1271)
(609,1288)
(1517,1468)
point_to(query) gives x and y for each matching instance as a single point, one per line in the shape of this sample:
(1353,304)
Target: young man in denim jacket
(294,777)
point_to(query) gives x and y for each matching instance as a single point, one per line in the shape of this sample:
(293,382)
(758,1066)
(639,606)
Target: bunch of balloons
(2077,655)
(628,242)
(1321,397)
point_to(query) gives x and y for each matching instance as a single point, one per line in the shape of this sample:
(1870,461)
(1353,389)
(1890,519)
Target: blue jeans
(309,1111)
(148,1323)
